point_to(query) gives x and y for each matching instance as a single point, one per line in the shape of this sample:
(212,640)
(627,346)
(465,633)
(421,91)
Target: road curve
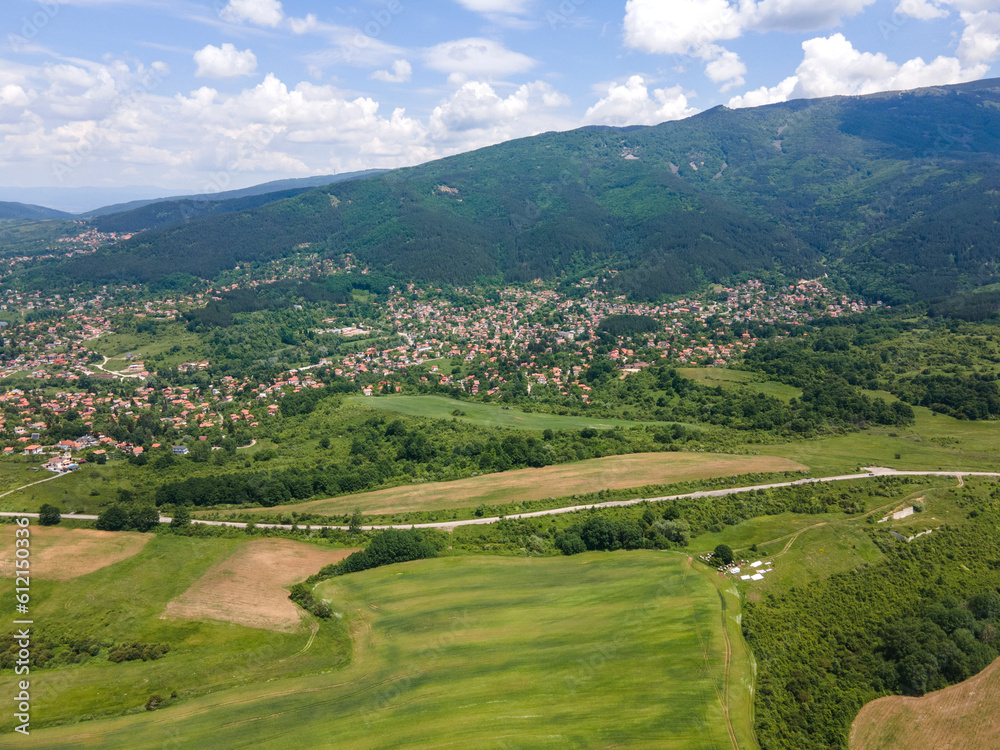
(870,472)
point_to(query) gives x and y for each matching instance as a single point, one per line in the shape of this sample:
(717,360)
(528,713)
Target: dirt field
(248,587)
(612,472)
(59,554)
(964,717)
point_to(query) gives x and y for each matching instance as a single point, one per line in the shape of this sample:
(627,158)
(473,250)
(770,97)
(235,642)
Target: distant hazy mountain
(897,192)
(299,184)
(76,200)
(27,212)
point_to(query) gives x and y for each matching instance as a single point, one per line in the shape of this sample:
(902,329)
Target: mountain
(290,187)
(896,192)
(28,212)
(76,200)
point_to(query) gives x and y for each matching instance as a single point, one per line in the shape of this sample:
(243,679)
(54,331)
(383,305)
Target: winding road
(869,473)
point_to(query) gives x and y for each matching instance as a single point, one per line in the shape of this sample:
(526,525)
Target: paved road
(871,471)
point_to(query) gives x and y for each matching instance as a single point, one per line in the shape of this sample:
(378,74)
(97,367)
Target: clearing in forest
(961,717)
(61,554)
(249,587)
(563,480)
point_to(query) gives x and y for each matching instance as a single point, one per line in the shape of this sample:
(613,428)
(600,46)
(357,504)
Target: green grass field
(144,345)
(596,650)
(487,415)
(85,490)
(122,603)
(933,442)
(720,376)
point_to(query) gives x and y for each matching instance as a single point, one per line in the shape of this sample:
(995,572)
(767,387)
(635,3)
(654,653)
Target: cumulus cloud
(981,38)
(259,12)
(477,58)
(631,104)
(84,122)
(694,27)
(224,62)
(476,106)
(923,10)
(401,72)
(832,66)
(725,67)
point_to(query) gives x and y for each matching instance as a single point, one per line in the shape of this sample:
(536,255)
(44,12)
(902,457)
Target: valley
(677,436)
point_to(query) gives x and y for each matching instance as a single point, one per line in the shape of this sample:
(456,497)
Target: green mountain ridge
(896,192)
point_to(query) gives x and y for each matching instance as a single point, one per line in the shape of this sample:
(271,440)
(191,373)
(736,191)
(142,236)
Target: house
(32,450)
(180,450)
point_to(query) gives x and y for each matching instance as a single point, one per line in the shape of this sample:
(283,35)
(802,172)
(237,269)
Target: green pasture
(720,376)
(84,490)
(596,650)
(934,442)
(123,603)
(488,415)
(145,345)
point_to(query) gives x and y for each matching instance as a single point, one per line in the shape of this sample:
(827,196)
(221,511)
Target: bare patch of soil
(59,554)
(961,717)
(249,587)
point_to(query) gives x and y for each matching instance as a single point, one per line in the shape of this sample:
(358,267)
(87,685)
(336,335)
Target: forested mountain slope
(895,191)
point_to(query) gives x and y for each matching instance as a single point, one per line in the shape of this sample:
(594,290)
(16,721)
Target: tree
(181,517)
(48,515)
(355,525)
(724,554)
(113,519)
(144,518)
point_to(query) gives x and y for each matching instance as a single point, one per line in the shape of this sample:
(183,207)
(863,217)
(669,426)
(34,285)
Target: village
(460,340)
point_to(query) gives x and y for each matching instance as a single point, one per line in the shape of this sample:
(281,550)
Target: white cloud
(224,62)
(303,25)
(726,68)
(831,66)
(693,27)
(401,72)
(259,12)
(981,38)
(680,27)
(476,57)
(923,10)
(476,105)
(631,104)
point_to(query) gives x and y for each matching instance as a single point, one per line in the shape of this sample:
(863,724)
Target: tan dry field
(962,717)
(248,587)
(609,473)
(59,554)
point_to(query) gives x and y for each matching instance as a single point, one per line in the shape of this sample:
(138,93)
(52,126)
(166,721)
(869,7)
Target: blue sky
(206,96)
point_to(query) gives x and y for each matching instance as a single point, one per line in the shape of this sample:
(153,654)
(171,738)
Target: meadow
(128,582)
(487,652)
(726,378)
(490,415)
